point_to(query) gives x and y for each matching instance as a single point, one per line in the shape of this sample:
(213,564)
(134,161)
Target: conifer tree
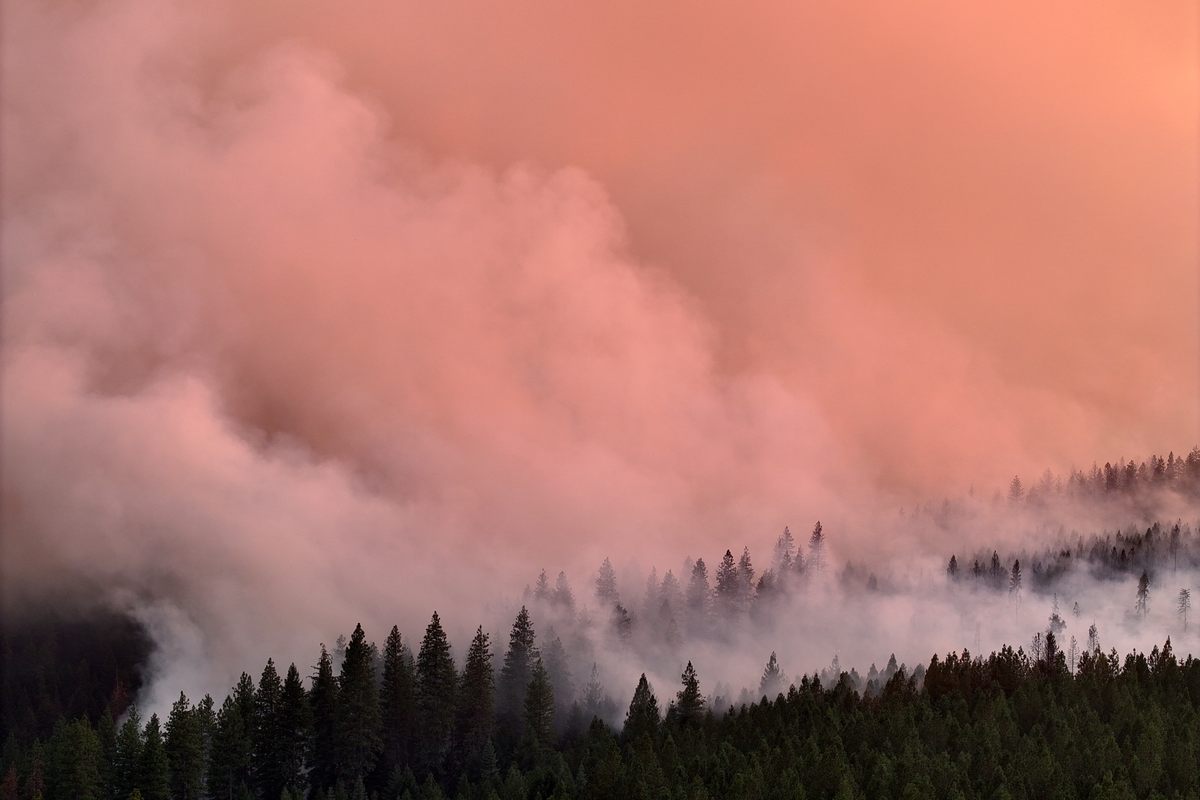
(436,680)
(952,568)
(1143,594)
(324,702)
(816,548)
(295,722)
(539,708)
(728,584)
(563,597)
(74,762)
(699,597)
(554,656)
(266,736)
(606,585)
(128,756)
(773,680)
(643,716)
(670,597)
(397,704)
(206,724)
(185,751)
(745,579)
(106,735)
(154,771)
(474,718)
(514,677)
(689,703)
(1184,606)
(785,550)
(229,758)
(622,624)
(358,722)
(541,590)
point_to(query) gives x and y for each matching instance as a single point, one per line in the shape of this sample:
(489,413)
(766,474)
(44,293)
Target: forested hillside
(1008,726)
(531,717)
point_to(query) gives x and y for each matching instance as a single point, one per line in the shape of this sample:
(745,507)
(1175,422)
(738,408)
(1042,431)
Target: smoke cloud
(312,319)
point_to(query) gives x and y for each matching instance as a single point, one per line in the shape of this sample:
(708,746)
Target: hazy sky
(298,292)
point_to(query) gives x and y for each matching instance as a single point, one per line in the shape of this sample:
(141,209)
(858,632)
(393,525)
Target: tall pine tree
(476,701)
(397,704)
(358,723)
(435,695)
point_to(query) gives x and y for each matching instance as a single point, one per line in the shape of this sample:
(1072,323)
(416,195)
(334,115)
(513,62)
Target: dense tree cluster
(1009,726)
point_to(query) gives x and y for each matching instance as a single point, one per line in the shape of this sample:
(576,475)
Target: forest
(532,717)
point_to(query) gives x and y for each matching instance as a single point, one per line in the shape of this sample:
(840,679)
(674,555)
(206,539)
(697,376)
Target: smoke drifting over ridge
(295,334)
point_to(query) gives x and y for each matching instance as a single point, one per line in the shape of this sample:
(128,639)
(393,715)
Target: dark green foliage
(358,722)
(128,756)
(1006,726)
(642,718)
(185,751)
(294,722)
(475,706)
(539,709)
(73,768)
(435,696)
(153,769)
(397,704)
(688,707)
(228,768)
(323,701)
(514,678)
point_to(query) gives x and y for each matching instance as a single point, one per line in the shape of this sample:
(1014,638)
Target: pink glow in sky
(374,284)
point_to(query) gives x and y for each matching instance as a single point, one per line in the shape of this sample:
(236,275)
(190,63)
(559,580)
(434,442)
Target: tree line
(392,726)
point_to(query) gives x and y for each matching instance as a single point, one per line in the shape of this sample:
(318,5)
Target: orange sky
(958,228)
(617,270)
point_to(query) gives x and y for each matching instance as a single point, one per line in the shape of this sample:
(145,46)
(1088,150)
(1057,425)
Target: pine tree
(952,568)
(436,681)
(1015,490)
(595,702)
(153,770)
(745,579)
(106,735)
(643,716)
(622,624)
(324,702)
(539,709)
(228,752)
(359,738)
(1184,606)
(74,762)
(606,585)
(728,584)
(514,677)
(185,751)
(1014,580)
(295,722)
(699,596)
(476,700)
(816,548)
(689,703)
(554,656)
(1143,595)
(785,549)
(266,736)
(773,680)
(541,590)
(563,597)
(397,704)
(128,756)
